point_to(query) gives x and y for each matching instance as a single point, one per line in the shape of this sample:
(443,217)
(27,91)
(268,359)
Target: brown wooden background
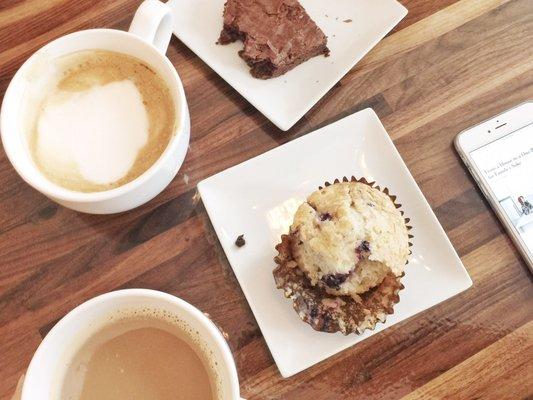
(447,66)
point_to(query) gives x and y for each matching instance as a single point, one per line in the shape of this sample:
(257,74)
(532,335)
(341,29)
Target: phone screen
(507,166)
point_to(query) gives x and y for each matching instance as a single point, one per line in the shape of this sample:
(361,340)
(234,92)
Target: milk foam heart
(97,119)
(98,132)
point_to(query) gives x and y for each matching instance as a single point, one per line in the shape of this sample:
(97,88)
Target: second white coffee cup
(59,345)
(147,40)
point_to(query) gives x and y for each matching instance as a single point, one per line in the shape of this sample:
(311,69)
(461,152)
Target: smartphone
(498,153)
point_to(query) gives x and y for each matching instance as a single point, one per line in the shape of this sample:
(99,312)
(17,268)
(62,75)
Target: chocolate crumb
(240,241)
(347,20)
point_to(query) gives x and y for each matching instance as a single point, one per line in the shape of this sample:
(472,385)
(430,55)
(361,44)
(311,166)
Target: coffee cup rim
(198,315)
(53,190)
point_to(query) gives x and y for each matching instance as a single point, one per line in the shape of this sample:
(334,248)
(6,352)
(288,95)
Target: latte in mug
(98,120)
(147,355)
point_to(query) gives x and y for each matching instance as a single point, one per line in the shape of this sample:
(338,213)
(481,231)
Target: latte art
(104,120)
(96,132)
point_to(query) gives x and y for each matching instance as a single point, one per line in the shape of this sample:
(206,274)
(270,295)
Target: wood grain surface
(448,65)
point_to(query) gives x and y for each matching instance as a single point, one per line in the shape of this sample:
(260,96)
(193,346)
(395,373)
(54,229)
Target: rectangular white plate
(284,100)
(258,198)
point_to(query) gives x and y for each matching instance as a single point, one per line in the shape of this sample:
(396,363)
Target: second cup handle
(153,23)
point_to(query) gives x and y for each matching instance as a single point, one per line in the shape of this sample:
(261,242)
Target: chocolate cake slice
(277,35)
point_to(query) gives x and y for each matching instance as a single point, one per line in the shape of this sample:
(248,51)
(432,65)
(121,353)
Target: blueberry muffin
(342,261)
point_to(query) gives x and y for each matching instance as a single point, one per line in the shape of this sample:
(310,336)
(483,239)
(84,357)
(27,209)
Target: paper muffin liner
(330,313)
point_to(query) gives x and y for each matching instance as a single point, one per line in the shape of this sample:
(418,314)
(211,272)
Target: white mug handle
(153,23)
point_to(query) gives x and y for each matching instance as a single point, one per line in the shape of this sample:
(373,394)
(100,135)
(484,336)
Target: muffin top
(348,236)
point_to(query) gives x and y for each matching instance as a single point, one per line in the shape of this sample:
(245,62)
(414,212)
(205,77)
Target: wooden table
(448,65)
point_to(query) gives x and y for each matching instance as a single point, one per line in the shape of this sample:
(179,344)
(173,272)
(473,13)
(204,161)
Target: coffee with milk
(145,356)
(98,120)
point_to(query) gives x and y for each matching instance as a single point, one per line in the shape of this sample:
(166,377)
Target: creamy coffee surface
(139,358)
(102,120)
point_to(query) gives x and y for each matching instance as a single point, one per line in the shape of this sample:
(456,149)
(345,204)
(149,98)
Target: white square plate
(258,198)
(284,100)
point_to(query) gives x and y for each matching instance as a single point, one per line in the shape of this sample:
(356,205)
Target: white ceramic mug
(147,40)
(51,358)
